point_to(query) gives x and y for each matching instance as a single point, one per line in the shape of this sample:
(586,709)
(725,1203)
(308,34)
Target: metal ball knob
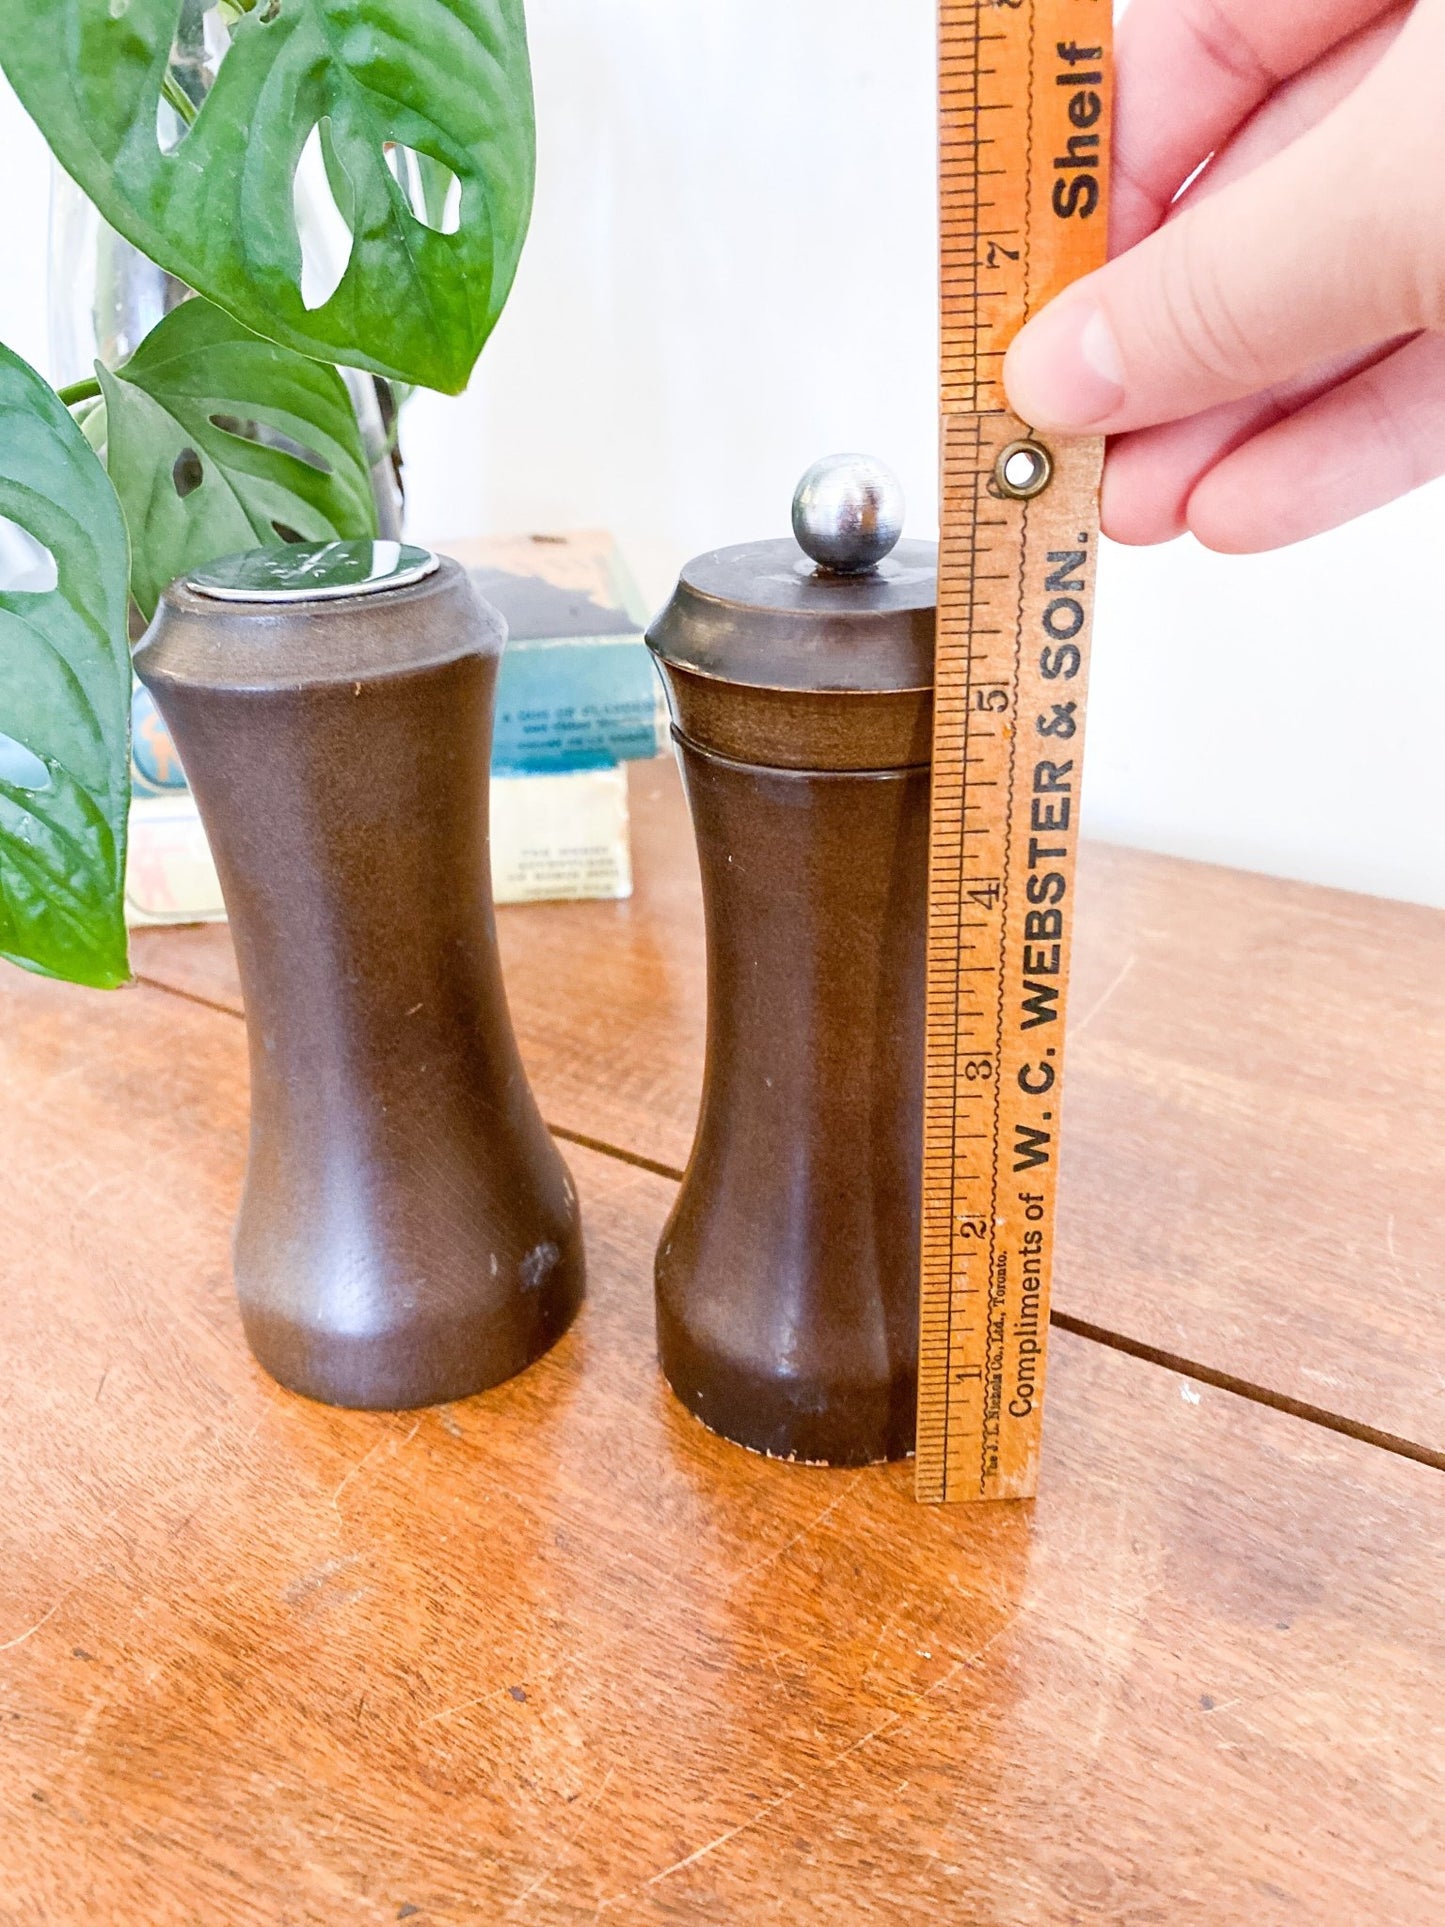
(848,513)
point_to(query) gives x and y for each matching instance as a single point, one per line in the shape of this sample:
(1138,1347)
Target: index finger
(1189,72)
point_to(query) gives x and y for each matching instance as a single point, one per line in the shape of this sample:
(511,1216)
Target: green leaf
(191,433)
(65,684)
(449,79)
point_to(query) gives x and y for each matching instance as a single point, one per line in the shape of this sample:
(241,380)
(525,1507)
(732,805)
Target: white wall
(731,271)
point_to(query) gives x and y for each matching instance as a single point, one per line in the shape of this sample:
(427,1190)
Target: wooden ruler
(1024,88)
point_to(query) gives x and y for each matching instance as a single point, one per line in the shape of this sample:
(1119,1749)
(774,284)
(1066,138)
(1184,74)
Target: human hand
(1268,351)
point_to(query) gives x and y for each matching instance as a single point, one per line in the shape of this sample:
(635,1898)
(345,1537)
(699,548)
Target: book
(577,688)
(577,697)
(169,874)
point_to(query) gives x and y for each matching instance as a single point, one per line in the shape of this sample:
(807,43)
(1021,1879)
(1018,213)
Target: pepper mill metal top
(314,572)
(848,513)
(760,641)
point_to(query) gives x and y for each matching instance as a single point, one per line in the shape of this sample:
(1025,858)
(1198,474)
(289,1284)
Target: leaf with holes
(446,79)
(65,685)
(218,441)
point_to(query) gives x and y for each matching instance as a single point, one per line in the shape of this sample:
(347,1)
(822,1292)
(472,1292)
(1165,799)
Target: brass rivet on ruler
(1023,470)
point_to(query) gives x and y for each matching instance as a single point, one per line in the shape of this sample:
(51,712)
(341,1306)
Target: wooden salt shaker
(408,1233)
(801,688)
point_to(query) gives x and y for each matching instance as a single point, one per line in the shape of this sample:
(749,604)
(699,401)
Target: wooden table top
(558,1655)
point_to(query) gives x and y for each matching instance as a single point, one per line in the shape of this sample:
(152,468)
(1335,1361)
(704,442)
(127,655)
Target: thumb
(1327,248)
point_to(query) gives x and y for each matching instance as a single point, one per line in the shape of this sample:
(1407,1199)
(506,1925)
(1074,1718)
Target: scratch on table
(1092,1012)
(86,1725)
(889,1621)
(1126,1593)
(101,1184)
(30,1631)
(310,1582)
(711,1846)
(389,1439)
(772,1658)
(567,1845)
(462,1706)
(901,1717)
(803,1532)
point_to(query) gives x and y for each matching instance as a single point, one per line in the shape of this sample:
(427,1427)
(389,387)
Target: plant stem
(179,99)
(78,391)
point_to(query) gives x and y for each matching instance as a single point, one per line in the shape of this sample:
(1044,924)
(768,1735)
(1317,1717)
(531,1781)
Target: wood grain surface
(559,1655)
(1254,1143)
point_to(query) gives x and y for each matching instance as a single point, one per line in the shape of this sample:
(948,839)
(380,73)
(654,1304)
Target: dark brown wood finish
(407,1232)
(1254,1147)
(787,1275)
(608,999)
(558,1655)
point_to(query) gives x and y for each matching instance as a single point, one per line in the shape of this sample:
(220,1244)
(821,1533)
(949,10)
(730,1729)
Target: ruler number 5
(993,700)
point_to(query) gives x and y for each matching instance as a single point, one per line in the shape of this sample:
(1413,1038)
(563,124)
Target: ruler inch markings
(1022,108)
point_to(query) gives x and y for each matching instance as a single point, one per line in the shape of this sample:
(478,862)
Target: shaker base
(431,1363)
(806,1421)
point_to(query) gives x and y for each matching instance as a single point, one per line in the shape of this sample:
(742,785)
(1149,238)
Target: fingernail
(1064,370)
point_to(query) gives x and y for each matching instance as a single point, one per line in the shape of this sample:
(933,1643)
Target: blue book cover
(577,688)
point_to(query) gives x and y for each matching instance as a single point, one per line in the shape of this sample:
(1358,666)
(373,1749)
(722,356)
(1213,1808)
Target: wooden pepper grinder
(801,681)
(408,1233)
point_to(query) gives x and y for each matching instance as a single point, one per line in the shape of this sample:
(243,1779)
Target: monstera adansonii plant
(230,425)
